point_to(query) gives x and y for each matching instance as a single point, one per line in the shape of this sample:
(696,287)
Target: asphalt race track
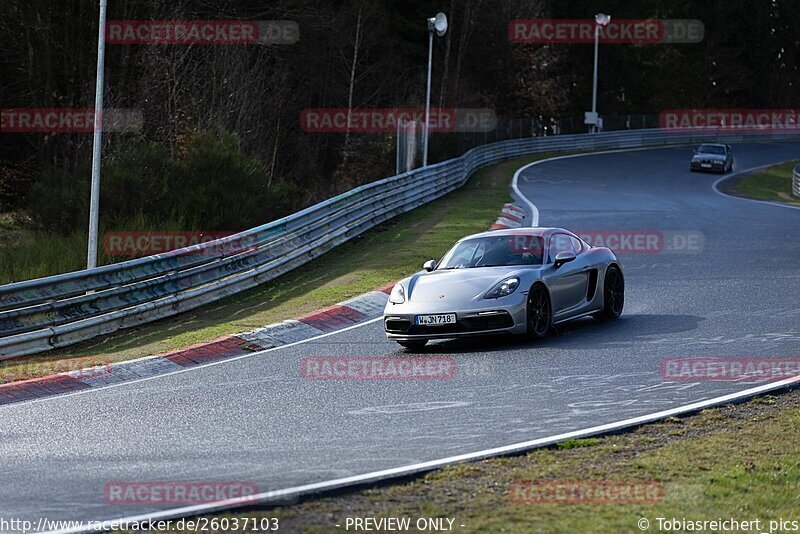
(256,419)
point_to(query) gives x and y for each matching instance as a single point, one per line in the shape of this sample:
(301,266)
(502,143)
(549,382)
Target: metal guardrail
(796,180)
(56,311)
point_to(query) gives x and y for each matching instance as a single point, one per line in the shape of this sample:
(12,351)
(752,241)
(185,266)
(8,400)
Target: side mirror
(429,265)
(694,150)
(562,258)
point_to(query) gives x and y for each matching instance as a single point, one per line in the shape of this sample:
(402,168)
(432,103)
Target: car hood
(718,157)
(457,285)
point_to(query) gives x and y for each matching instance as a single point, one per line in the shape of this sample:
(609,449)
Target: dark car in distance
(712,157)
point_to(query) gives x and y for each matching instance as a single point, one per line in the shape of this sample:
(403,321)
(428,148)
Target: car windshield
(494,251)
(711,149)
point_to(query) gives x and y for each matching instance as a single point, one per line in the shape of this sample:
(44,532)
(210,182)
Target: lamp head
(601,19)
(438,23)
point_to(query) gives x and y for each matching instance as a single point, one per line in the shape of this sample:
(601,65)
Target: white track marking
(193,368)
(715,186)
(533,209)
(375,476)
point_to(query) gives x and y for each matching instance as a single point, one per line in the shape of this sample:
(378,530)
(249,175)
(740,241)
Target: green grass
(378,257)
(773,184)
(577,443)
(737,461)
(34,255)
(26,253)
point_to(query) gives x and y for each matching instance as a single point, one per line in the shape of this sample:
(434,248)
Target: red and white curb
(348,313)
(357,310)
(511,216)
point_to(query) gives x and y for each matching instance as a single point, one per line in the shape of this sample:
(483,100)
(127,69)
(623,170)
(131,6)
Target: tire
(613,295)
(416,344)
(539,314)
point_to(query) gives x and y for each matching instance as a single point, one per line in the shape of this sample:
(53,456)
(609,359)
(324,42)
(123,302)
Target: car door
(569,283)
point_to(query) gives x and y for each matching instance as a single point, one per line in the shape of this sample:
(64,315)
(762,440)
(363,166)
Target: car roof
(713,144)
(527,231)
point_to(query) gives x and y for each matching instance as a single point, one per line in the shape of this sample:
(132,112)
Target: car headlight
(398,294)
(506,287)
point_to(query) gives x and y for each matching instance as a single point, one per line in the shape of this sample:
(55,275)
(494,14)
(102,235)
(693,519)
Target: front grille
(405,325)
(420,330)
(489,322)
(398,326)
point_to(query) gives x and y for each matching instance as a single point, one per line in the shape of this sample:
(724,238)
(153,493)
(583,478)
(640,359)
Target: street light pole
(594,77)
(428,95)
(600,19)
(439,25)
(94,205)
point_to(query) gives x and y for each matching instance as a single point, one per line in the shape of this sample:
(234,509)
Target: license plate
(705,165)
(436,320)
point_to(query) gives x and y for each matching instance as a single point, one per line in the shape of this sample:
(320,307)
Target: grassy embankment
(773,184)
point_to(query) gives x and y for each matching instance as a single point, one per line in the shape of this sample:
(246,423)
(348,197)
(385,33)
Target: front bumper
(491,316)
(716,165)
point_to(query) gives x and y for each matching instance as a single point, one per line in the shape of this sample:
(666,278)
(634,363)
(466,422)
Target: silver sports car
(517,281)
